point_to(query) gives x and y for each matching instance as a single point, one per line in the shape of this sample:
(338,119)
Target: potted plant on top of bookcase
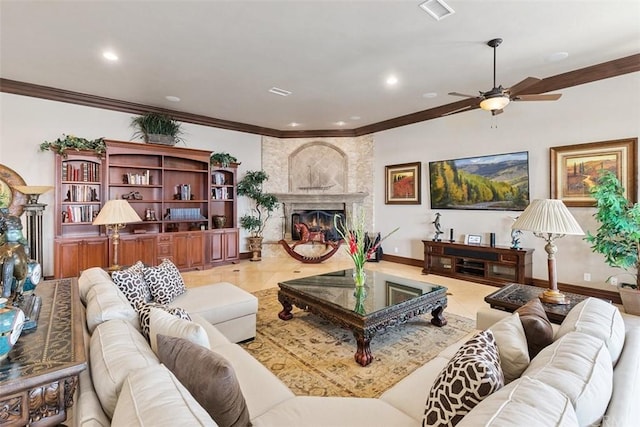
(157,128)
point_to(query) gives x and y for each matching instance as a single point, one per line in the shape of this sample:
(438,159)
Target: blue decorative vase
(11,322)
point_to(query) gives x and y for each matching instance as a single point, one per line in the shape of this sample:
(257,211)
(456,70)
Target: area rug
(315,358)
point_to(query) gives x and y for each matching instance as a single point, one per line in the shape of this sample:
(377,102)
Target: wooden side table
(515,295)
(40,374)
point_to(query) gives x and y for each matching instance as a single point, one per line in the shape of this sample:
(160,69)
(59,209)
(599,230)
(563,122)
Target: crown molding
(605,70)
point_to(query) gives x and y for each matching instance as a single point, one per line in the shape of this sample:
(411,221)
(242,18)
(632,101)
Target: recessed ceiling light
(172,98)
(278,91)
(392,80)
(355,117)
(109,55)
(294,124)
(341,123)
(558,56)
(429,95)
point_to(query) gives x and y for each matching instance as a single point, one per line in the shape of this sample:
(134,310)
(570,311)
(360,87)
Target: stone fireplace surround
(347,164)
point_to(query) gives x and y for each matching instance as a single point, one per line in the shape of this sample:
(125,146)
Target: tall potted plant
(157,128)
(618,237)
(251,186)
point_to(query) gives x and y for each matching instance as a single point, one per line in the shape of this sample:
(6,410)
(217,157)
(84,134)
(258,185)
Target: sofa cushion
(116,349)
(145,309)
(472,374)
(106,302)
(163,323)
(537,327)
(524,402)
(154,397)
(579,366)
(623,405)
(90,277)
(208,377)
(131,282)
(512,346)
(599,319)
(164,281)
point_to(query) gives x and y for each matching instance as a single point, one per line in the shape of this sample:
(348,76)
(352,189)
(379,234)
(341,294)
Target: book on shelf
(139,178)
(85,171)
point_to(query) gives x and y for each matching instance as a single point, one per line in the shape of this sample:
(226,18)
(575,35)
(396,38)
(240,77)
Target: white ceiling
(222,57)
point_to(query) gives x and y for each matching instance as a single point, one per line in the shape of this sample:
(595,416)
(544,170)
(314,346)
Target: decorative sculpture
(14,255)
(307,235)
(436,223)
(515,239)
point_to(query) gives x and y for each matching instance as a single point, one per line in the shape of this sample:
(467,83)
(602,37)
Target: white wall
(26,122)
(604,110)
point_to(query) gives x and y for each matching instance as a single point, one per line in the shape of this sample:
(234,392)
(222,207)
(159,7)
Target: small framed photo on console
(472,239)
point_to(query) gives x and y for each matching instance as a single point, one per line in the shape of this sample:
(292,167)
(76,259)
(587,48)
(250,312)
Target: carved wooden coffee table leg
(438,317)
(363,354)
(285,314)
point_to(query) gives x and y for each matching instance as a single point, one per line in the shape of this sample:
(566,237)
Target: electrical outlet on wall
(395,250)
(587,277)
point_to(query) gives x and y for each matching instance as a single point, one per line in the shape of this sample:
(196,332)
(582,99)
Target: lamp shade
(547,216)
(116,212)
(496,102)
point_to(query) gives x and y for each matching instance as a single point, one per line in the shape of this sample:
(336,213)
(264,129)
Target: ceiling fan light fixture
(497,102)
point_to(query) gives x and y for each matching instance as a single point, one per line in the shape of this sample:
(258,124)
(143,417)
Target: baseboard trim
(402,260)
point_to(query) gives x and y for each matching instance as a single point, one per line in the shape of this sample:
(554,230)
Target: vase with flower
(359,248)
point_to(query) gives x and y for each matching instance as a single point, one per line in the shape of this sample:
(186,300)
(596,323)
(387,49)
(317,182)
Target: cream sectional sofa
(126,385)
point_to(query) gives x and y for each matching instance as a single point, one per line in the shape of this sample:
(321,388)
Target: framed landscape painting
(575,169)
(493,182)
(402,184)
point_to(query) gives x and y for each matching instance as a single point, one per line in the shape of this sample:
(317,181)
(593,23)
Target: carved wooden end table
(389,301)
(40,374)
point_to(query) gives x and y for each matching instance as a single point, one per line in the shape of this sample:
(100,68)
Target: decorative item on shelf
(133,195)
(11,323)
(251,186)
(157,128)
(492,240)
(14,257)
(549,219)
(34,212)
(71,142)
(223,159)
(115,215)
(436,224)
(618,237)
(357,248)
(219,221)
(451,239)
(150,215)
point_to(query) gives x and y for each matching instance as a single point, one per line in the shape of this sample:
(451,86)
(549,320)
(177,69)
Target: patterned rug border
(315,358)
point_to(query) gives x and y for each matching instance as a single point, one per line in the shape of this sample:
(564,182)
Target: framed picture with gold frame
(402,184)
(575,169)
(10,197)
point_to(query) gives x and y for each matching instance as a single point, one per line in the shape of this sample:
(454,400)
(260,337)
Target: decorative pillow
(131,282)
(145,309)
(209,377)
(537,327)
(164,281)
(163,323)
(472,374)
(512,346)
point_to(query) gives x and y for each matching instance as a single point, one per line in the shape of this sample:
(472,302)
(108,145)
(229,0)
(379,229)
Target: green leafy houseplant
(71,142)
(223,159)
(618,237)
(150,124)
(264,203)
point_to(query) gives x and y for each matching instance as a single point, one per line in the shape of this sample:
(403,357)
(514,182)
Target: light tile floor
(464,299)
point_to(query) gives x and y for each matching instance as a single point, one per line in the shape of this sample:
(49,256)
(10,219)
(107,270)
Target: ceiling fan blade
(544,97)
(455,111)
(522,85)
(462,94)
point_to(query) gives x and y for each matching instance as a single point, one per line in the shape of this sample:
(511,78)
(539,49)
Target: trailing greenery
(156,123)
(264,203)
(618,237)
(71,142)
(223,159)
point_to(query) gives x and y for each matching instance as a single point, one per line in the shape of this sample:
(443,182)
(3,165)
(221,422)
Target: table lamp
(115,215)
(550,220)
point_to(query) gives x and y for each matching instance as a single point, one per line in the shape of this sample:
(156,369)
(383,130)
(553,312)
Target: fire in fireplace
(317,221)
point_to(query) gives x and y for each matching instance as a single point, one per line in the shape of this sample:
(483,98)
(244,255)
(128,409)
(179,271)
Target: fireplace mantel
(300,201)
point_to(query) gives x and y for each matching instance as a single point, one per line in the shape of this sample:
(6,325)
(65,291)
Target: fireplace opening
(317,221)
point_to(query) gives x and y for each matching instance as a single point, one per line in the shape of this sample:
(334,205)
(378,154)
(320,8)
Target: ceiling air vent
(438,9)
(279,91)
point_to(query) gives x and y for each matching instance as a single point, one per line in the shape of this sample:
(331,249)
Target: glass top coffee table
(388,301)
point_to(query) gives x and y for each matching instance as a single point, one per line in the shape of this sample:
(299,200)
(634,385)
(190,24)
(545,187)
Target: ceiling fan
(497,98)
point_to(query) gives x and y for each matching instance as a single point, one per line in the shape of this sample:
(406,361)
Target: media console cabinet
(491,265)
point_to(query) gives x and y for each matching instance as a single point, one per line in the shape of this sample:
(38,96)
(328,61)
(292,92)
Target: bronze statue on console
(14,255)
